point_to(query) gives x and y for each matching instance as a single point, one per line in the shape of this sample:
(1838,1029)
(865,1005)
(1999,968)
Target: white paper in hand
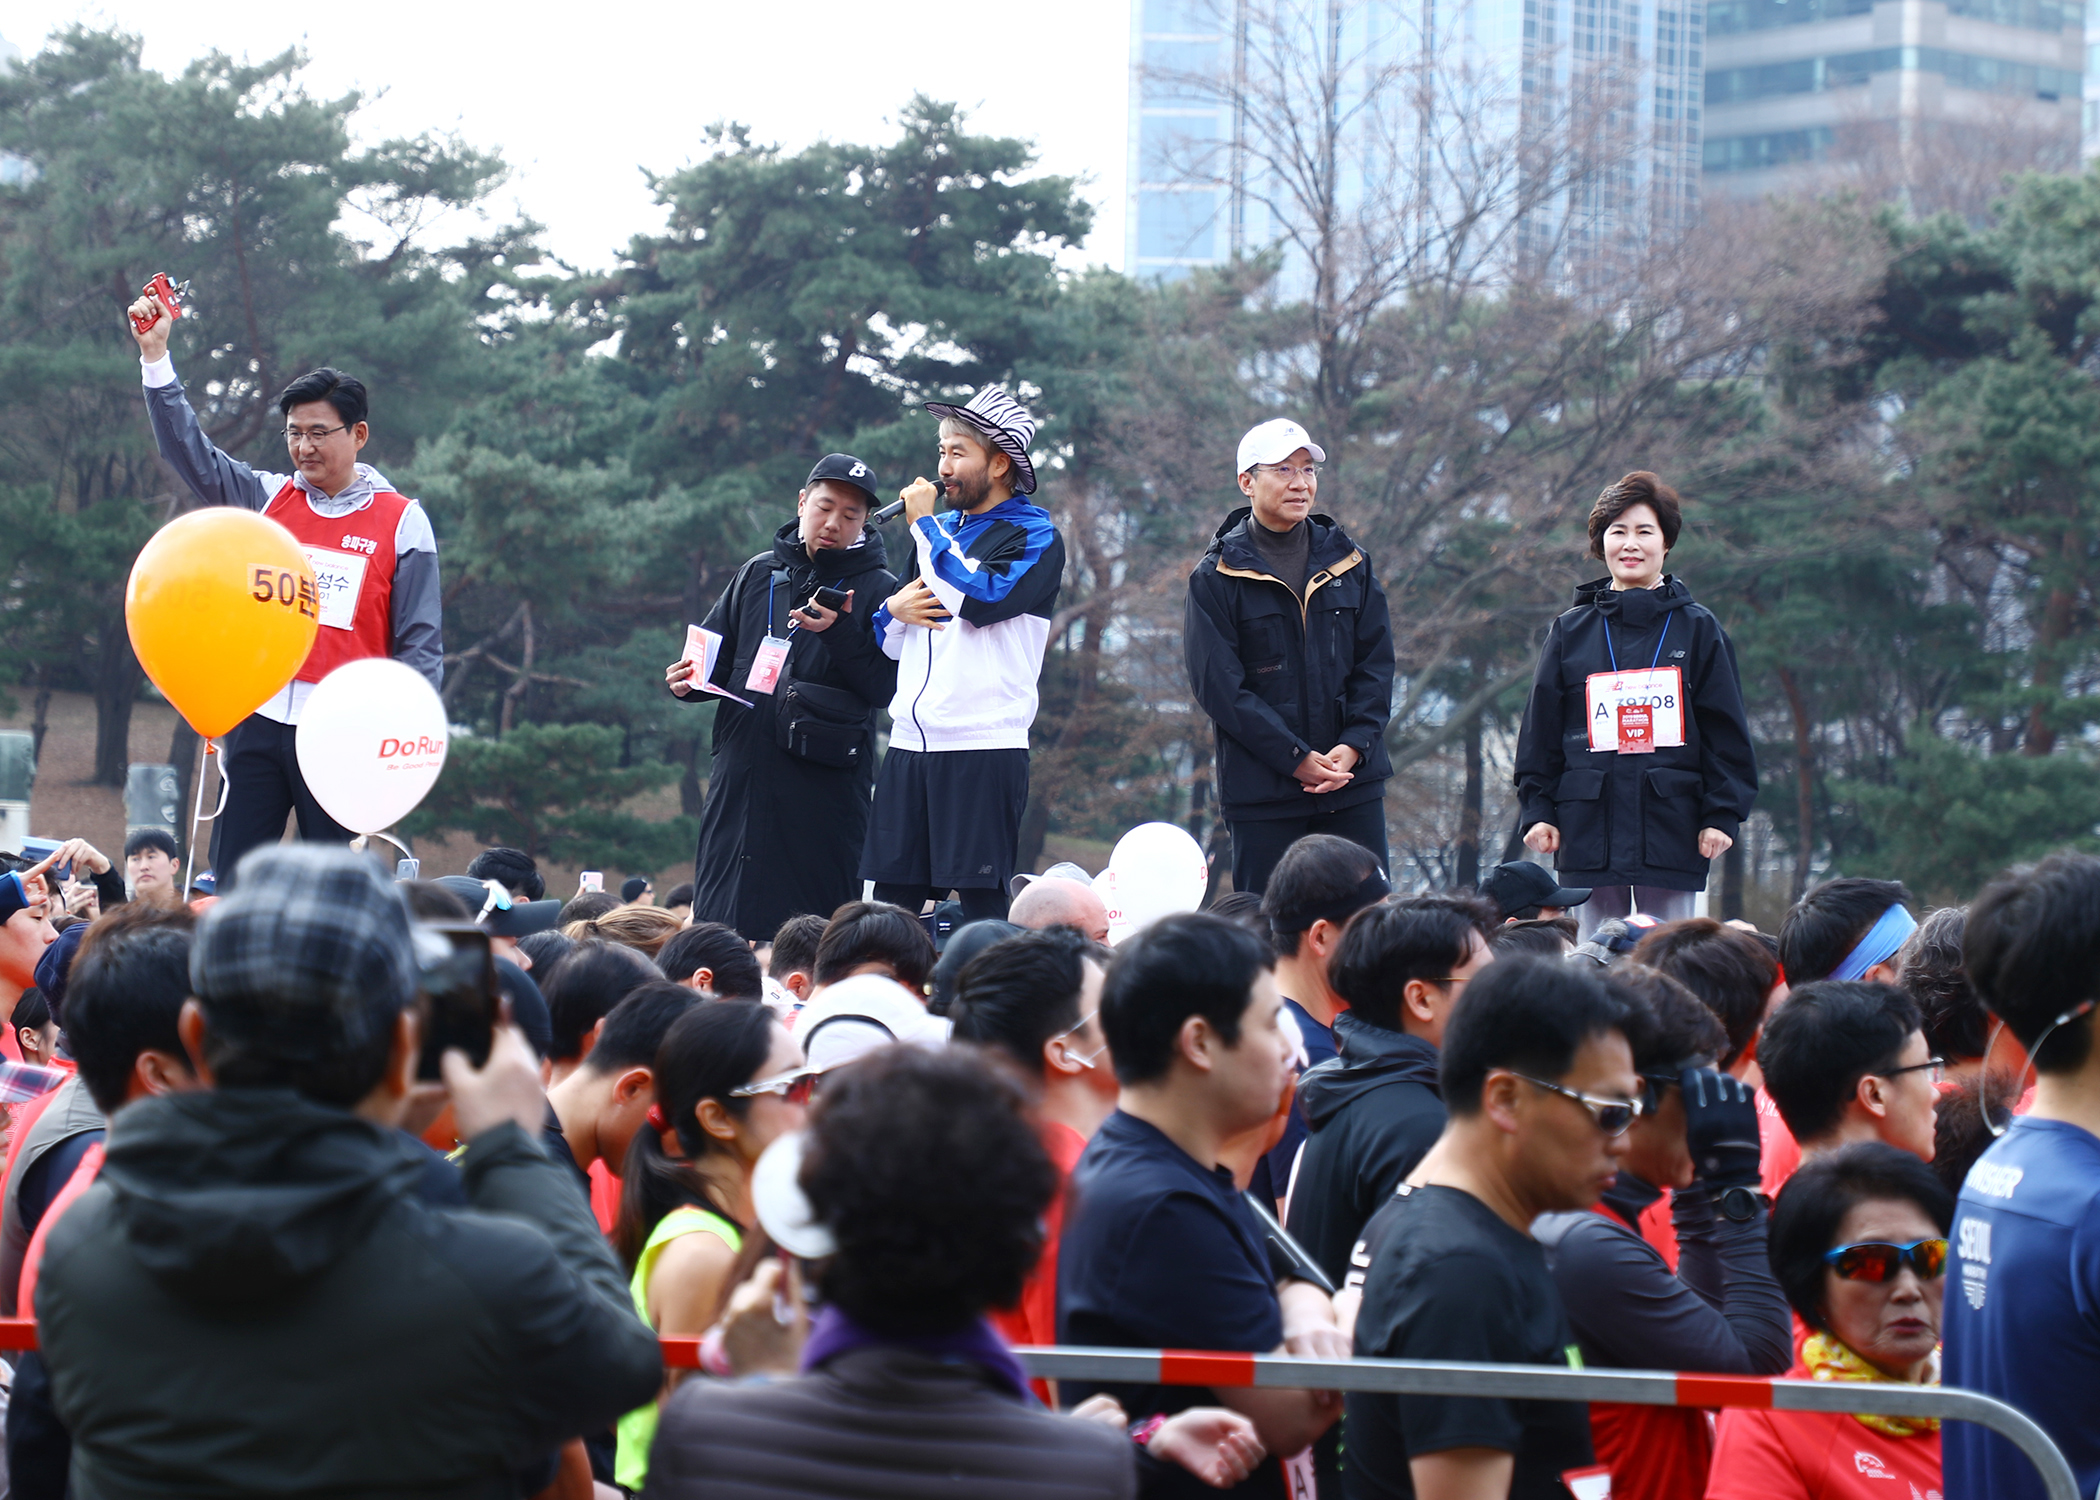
(703,648)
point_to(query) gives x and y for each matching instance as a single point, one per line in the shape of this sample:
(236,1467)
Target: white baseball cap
(1274,441)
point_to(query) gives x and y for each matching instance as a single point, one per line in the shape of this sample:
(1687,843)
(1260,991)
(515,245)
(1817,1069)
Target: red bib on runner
(353,561)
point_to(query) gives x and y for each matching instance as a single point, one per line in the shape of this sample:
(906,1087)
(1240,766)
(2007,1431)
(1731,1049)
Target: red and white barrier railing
(1429,1377)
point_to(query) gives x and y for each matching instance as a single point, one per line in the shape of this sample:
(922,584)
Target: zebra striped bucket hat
(1006,422)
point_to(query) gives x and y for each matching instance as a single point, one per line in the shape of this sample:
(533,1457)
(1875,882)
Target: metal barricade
(1430,1377)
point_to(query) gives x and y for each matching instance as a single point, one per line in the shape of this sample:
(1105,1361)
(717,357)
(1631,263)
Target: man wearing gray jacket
(374,559)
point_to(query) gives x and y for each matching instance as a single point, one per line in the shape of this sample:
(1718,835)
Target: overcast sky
(580,99)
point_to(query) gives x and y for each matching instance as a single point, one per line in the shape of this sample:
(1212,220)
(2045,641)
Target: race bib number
(1654,692)
(1298,1479)
(766,665)
(338,577)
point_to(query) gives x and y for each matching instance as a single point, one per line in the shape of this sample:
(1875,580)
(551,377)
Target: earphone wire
(1983,1071)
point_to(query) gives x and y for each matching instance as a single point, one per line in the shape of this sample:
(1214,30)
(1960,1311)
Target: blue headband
(1879,945)
(14,896)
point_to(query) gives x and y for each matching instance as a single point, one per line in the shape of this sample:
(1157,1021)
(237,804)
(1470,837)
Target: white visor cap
(1275,441)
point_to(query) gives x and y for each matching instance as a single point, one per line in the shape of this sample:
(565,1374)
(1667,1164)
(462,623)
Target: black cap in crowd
(1520,885)
(847,469)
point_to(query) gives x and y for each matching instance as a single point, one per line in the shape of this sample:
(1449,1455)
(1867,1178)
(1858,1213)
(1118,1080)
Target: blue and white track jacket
(971,686)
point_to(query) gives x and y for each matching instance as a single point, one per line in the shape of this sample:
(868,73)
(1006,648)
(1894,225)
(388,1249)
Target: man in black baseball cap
(797,679)
(1526,891)
(500,913)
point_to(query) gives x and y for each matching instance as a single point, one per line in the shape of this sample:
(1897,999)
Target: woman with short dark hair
(1859,1244)
(924,1173)
(1634,764)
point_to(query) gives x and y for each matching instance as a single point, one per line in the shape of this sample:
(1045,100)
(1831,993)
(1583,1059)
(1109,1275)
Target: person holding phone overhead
(1634,765)
(796,678)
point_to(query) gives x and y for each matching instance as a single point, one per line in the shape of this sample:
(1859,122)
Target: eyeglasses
(1092,1057)
(795,1087)
(1934,1068)
(292,435)
(1612,1115)
(1287,472)
(1877,1260)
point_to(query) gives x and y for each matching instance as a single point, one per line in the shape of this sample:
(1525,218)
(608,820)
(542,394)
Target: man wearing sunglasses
(374,558)
(1539,1079)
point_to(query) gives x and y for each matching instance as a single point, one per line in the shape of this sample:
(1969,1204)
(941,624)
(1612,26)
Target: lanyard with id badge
(1636,712)
(772,655)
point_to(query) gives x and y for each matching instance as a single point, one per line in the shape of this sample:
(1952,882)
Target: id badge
(766,665)
(1658,695)
(1636,729)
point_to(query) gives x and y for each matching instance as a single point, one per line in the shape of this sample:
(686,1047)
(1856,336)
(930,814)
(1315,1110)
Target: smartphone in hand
(463,998)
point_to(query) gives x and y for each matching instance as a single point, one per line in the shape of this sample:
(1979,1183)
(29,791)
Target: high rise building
(1578,119)
(1180,212)
(1892,93)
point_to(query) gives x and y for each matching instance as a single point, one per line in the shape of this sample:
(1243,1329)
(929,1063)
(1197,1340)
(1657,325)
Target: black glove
(1720,1128)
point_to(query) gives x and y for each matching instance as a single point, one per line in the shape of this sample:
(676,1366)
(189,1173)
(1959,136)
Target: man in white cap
(967,631)
(1290,652)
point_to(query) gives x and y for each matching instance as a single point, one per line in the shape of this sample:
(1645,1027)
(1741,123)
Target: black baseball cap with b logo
(847,469)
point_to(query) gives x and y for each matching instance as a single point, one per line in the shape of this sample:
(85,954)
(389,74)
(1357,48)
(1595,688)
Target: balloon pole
(205,750)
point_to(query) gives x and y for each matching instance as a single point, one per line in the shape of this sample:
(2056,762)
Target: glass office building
(1794,87)
(1428,99)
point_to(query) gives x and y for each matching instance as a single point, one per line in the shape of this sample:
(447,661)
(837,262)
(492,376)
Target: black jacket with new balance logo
(1282,676)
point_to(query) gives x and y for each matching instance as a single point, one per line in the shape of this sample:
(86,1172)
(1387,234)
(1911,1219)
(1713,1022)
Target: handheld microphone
(896,507)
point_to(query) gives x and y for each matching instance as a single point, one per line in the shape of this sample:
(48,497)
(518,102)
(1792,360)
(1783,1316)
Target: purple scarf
(834,1334)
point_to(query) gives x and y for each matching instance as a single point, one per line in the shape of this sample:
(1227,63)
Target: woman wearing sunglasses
(1859,1243)
(729,1079)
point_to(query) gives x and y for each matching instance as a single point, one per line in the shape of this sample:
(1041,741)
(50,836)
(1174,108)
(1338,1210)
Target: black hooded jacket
(1281,677)
(781,834)
(1374,1112)
(1635,819)
(253,1300)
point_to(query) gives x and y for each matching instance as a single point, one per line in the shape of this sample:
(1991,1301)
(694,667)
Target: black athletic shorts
(946,819)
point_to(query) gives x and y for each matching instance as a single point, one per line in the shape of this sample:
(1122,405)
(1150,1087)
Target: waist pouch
(825,726)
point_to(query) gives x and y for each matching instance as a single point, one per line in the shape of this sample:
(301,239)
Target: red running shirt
(1033,1320)
(1811,1455)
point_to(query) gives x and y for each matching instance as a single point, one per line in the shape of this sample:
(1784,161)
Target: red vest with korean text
(353,560)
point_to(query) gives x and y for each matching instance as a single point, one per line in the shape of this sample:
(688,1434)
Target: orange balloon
(222,611)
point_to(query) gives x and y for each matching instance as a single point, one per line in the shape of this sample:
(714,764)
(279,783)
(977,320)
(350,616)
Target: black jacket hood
(1232,545)
(1636,609)
(238,1196)
(830,562)
(1371,1057)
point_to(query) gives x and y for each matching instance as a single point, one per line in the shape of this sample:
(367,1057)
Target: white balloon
(1155,871)
(371,742)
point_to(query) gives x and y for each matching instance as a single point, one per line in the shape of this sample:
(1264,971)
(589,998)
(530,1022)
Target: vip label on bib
(1658,692)
(338,576)
(1636,729)
(766,665)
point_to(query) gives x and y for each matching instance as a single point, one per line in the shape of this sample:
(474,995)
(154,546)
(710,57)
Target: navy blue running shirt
(1159,1252)
(2022,1319)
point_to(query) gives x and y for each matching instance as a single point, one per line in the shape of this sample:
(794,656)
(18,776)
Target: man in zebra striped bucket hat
(967,630)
